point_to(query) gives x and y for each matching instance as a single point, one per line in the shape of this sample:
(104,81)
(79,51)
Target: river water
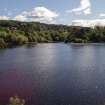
(54,74)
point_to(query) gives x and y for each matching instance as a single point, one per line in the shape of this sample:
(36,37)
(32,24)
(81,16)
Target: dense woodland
(17,33)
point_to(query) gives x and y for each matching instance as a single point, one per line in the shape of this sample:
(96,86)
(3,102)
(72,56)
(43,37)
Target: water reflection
(54,74)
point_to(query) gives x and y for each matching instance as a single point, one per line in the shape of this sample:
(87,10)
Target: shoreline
(34,43)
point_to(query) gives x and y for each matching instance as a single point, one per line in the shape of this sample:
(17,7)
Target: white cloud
(87,11)
(4,18)
(85,7)
(89,23)
(102,15)
(40,14)
(20,18)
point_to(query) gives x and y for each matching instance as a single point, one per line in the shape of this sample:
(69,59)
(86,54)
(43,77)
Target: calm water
(54,74)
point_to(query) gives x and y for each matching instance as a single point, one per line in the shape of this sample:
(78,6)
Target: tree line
(18,33)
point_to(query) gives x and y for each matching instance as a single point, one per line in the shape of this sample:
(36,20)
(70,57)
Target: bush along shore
(13,33)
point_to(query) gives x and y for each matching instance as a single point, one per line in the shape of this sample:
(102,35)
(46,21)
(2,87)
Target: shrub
(2,43)
(78,40)
(21,40)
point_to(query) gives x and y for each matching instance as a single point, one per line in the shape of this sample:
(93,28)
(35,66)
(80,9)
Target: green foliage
(78,40)
(21,39)
(17,39)
(94,35)
(2,43)
(18,33)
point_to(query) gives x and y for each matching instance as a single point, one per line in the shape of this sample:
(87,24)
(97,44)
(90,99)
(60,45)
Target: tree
(2,43)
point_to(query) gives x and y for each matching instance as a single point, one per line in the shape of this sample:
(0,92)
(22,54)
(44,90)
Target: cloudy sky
(75,12)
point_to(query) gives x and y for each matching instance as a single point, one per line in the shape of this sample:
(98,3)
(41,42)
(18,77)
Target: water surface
(54,74)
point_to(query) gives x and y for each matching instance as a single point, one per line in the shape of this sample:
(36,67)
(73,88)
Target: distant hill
(18,33)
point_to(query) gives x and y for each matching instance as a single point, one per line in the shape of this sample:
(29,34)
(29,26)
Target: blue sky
(54,11)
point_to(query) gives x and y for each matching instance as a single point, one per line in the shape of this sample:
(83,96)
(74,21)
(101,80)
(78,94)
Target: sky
(69,12)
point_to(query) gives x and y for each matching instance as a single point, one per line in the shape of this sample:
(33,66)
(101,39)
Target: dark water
(54,74)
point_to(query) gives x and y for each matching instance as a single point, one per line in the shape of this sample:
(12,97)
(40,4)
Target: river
(54,74)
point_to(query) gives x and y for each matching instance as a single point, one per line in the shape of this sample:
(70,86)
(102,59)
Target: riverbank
(32,44)
(13,33)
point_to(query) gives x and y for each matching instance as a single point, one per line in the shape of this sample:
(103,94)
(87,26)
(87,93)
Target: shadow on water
(30,45)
